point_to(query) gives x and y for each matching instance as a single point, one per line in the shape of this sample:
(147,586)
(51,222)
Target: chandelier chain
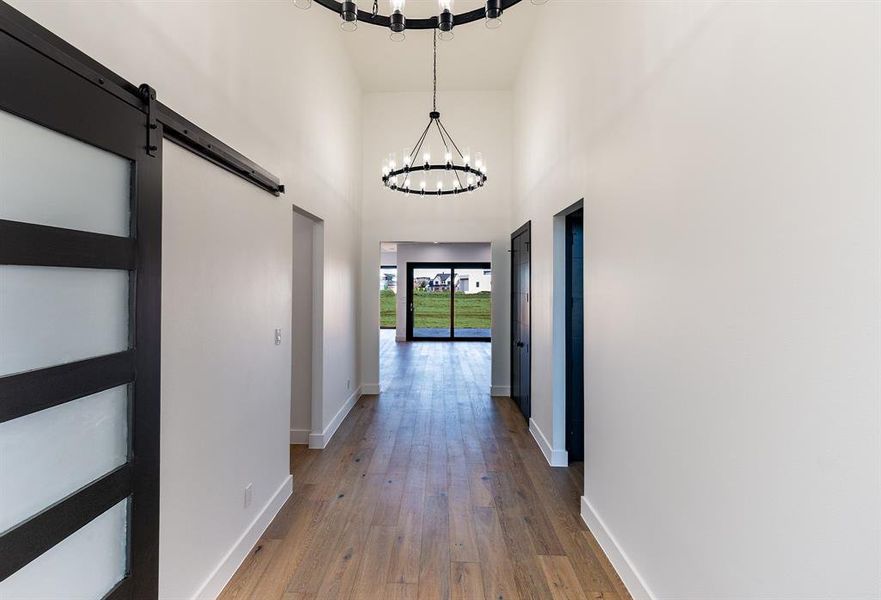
(434,100)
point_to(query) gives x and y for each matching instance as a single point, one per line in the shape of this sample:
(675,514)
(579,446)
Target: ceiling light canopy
(397,22)
(420,172)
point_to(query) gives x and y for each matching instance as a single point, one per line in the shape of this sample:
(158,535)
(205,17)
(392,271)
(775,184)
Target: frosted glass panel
(52,179)
(50,316)
(49,454)
(84,566)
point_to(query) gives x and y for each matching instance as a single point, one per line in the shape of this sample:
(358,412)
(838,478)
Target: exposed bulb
(426,157)
(349,15)
(397,5)
(392,162)
(448,157)
(466,158)
(440,186)
(445,5)
(422,186)
(456,185)
(407,158)
(478,161)
(407,183)
(304,4)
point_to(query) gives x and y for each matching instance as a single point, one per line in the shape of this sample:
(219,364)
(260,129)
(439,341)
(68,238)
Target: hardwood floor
(432,490)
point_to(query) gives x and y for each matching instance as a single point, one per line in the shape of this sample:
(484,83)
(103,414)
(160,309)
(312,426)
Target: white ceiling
(476,59)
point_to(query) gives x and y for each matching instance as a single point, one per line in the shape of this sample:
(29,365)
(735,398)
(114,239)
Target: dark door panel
(575,336)
(521,319)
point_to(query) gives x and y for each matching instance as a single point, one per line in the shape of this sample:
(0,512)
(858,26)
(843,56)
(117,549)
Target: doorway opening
(307,309)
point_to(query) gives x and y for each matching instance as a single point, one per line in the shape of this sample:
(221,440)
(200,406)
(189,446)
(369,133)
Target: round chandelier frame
(397,22)
(474,171)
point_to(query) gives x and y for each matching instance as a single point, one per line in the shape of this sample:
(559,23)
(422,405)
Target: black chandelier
(464,177)
(397,23)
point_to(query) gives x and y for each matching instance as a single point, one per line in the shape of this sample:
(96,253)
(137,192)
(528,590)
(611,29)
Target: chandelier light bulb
(466,158)
(422,185)
(478,161)
(445,5)
(426,156)
(349,15)
(407,183)
(397,4)
(440,186)
(456,185)
(407,159)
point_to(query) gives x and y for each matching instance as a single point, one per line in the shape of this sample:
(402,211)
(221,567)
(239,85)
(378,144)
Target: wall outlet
(278,337)
(249,489)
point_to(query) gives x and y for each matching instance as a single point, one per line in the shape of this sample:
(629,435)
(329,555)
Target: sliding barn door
(80,239)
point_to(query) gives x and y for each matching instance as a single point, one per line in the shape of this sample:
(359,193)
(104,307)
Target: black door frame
(411,266)
(49,82)
(526,408)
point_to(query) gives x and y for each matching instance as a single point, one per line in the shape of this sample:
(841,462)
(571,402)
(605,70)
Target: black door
(80,268)
(521,313)
(575,336)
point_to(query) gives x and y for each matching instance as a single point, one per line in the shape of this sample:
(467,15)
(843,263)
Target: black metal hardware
(148,94)
(446,21)
(397,22)
(494,9)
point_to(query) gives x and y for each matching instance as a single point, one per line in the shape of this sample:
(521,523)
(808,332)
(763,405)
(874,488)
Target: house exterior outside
(475,282)
(440,283)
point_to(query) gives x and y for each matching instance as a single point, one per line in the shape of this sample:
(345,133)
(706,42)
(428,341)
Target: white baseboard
(555,458)
(370,389)
(300,437)
(503,391)
(319,441)
(243,546)
(625,569)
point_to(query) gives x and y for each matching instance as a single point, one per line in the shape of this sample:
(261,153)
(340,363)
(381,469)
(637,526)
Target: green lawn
(433,310)
(387,308)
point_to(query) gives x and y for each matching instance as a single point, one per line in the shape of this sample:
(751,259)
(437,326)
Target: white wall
(729,159)
(301,329)
(407,253)
(393,121)
(272,82)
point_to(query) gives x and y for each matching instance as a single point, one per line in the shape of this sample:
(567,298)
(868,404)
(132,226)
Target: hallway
(433,490)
